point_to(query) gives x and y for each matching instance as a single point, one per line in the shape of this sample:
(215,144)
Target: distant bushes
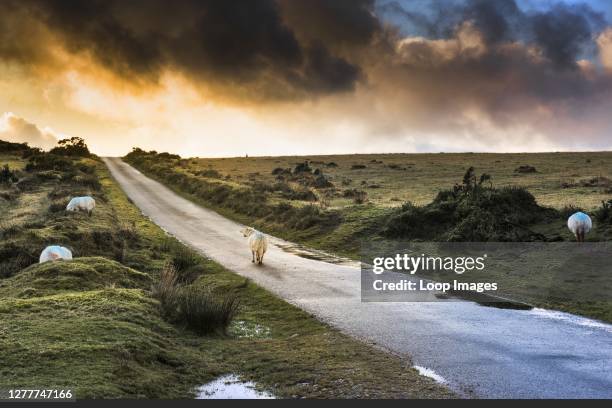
(526,169)
(358,196)
(73,147)
(49,161)
(7,175)
(604,213)
(9,147)
(302,168)
(250,200)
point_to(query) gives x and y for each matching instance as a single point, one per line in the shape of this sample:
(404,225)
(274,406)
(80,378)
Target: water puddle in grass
(244,329)
(428,372)
(315,254)
(231,387)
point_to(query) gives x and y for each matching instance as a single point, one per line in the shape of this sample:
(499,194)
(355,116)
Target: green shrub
(604,213)
(471,211)
(302,168)
(73,147)
(49,161)
(7,175)
(89,181)
(210,173)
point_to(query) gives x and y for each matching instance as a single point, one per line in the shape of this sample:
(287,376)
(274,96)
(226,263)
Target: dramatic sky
(269,77)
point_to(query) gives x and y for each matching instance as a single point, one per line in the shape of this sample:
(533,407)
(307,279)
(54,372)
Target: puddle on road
(316,255)
(484,299)
(570,318)
(231,387)
(428,372)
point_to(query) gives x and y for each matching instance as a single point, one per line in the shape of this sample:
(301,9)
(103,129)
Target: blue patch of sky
(438,18)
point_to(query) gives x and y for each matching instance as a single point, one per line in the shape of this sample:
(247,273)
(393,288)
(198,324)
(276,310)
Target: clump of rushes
(204,312)
(184,258)
(166,291)
(198,309)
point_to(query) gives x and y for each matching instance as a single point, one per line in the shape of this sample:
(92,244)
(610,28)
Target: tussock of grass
(205,312)
(199,309)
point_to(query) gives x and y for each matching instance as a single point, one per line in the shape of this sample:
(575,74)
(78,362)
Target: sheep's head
(247,231)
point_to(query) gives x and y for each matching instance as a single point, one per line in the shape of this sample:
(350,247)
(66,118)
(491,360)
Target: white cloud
(604,42)
(18,130)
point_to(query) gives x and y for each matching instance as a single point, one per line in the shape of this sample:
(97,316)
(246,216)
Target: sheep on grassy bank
(86,204)
(55,252)
(580,224)
(258,243)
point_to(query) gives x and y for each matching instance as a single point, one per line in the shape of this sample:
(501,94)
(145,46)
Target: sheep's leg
(253,253)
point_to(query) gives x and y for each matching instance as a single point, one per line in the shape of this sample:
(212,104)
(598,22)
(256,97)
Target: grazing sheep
(81,204)
(258,243)
(55,252)
(580,224)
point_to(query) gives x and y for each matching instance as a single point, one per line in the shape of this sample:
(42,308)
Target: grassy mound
(472,211)
(80,274)
(84,340)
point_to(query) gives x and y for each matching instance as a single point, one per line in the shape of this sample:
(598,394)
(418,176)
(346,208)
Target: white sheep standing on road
(258,242)
(86,204)
(54,253)
(580,224)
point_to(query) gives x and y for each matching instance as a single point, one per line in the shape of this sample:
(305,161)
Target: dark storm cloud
(565,32)
(339,22)
(293,49)
(243,44)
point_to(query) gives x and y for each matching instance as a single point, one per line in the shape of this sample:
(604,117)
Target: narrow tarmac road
(480,351)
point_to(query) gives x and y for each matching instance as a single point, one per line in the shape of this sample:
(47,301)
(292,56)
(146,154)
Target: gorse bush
(7,175)
(471,211)
(48,161)
(604,213)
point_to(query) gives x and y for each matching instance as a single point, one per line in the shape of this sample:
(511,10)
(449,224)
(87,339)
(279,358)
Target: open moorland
(333,203)
(138,314)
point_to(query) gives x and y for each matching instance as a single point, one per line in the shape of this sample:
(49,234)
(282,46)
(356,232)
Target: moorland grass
(94,324)
(426,197)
